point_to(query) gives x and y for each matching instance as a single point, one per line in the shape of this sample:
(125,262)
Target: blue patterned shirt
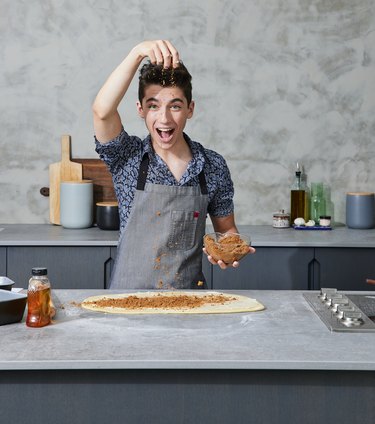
(123,157)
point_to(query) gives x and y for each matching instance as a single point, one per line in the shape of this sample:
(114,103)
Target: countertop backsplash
(273,85)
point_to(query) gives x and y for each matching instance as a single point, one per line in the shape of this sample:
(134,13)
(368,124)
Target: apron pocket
(183,228)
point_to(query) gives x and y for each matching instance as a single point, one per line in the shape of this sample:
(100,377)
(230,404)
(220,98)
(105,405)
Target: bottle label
(38,307)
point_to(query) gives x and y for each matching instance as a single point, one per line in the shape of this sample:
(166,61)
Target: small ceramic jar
(107,216)
(281,219)
(325,221)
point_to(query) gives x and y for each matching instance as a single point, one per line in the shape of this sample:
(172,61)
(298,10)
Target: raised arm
(107,121)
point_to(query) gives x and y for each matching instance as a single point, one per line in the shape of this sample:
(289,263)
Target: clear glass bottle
(329,206)
(38,299)
(299,198)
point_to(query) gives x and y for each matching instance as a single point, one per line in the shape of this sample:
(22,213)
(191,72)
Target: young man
(165,184)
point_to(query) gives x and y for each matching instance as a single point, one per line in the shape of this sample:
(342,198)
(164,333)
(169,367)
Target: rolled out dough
(231,303)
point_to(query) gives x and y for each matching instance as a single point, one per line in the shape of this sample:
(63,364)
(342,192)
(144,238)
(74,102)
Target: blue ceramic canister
(360,210)
(76,204)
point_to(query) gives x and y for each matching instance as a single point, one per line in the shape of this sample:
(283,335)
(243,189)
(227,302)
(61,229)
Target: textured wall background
(275,82)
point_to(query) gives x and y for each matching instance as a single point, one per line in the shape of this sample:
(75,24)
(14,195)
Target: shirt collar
(196,164)
(199,158)
(196,148)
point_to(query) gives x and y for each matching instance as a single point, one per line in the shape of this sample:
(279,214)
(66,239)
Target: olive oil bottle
(299,197)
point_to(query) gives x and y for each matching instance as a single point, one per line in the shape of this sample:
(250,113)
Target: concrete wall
(275,82)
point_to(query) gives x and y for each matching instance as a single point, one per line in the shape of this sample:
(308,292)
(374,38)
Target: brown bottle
(299,198)
(38,299)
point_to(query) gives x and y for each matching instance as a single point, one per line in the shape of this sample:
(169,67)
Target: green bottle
(318,202)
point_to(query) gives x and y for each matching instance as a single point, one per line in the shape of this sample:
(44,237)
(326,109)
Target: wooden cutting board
(66,170)
(97,171)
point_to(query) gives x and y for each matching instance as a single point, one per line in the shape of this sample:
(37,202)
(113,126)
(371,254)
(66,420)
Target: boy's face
(165,111)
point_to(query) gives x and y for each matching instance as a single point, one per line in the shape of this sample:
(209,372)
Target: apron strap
(202,183)
(142,175)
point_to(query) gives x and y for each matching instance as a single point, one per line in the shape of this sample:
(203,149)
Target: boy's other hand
(222,264)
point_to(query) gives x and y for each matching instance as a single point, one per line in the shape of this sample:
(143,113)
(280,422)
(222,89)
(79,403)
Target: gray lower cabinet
(270,268)
(75,267)
(3,261)
(344,268)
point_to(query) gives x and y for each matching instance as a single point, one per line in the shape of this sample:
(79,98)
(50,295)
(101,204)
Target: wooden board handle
(65,148)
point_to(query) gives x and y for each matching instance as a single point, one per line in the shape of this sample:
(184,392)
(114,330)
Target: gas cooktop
(343,312)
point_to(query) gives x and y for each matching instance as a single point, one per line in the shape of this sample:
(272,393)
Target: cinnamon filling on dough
(161,301)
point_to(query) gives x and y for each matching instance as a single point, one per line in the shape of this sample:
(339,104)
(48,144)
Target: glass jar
(38,299)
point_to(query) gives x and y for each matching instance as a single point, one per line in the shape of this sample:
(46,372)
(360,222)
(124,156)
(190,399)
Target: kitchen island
(273,366)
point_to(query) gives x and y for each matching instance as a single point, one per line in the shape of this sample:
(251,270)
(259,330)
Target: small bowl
(6,283)
(12,307)
(228,247)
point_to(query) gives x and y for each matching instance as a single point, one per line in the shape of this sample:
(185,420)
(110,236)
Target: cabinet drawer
(344,268)
(272,268)
(73,267)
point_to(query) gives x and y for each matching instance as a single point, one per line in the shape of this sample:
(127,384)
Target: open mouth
(165,133)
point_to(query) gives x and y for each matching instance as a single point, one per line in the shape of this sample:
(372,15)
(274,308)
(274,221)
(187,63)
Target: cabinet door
(272,268)
(76,267)
(344,268)
(112,264)
(206,267)
(3,263)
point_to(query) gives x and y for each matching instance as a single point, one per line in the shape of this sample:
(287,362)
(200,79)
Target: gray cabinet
(343,268)
(75,267)
(271,268)
(3,261)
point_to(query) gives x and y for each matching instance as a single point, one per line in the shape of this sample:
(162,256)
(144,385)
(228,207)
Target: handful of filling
(228,247)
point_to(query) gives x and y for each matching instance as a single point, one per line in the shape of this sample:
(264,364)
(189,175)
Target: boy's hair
(170,77)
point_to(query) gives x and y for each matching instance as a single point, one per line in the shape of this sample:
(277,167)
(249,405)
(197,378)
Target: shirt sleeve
(221,204)
(119,150)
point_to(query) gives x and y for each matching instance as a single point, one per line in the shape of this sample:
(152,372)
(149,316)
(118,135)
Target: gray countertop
(287,335)
(54,235)
(261,236)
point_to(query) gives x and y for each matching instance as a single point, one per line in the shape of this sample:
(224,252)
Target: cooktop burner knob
(351,319)
(335,296)
(338,301)
(343,308)
(324,293)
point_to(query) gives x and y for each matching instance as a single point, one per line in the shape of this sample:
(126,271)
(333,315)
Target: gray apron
(161,246)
